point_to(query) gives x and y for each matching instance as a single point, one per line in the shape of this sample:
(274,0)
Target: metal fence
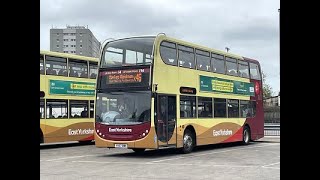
(272,129)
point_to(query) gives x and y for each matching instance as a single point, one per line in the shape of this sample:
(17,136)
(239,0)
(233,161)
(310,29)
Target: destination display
(137,77)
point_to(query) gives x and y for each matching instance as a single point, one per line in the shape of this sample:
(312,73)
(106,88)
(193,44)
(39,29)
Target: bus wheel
(138,150)
(188,141)
(246,135)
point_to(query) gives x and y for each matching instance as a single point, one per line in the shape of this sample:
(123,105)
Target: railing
(271,129)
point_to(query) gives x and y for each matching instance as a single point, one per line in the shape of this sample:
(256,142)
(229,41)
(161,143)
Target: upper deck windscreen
(128,52)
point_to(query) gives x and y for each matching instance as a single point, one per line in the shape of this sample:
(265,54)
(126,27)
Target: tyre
(188,141)
(246,136)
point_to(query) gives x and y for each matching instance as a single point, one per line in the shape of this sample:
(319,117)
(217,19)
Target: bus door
(166,120)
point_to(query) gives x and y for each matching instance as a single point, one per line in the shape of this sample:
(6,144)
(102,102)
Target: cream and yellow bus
(157,92)
(67,94)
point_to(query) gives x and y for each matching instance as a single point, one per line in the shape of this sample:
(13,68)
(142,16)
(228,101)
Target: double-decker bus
(157,92)
(67,94)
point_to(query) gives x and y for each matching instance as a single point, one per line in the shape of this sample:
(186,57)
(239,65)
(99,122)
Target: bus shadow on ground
(65,145)
(174,152)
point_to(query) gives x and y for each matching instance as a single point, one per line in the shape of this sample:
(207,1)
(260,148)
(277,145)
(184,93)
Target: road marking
(211,153)
(72,157)
(265,166)
(173,164)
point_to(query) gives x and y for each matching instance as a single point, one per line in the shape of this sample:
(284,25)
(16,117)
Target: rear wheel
(138,150)
(246,135)
(188,141)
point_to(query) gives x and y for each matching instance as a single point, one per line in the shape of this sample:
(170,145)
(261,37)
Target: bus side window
(254,71)
(168,53)
(186,57)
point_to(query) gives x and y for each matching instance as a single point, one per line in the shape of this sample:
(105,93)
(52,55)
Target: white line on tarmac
(72,157)
(271,164)
(212,153)
(173,164)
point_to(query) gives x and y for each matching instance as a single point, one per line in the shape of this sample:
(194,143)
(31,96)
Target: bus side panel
(74,130)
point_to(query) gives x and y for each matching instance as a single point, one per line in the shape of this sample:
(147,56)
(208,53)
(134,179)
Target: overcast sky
(249,28)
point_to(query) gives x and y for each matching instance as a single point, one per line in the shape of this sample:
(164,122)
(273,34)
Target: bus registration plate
(125,146)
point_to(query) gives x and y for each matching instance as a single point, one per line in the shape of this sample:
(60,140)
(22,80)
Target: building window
(233,108)
(65,51)
(65,39)
(187,106)
(80,52)
(57,46)
(57,34)
(57,40)
(57,109)
(80,45)
(80,34)
(78,109)
(204,107)
(220,108)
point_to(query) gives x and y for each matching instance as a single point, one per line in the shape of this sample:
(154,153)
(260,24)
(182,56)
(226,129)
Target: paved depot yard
(259,160)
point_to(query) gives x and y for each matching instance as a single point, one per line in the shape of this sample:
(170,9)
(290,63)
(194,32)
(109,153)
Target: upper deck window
(203,60)
(127,52)
(218,63)
(243,69)
(186,57)
(168,53)
(78,68)
(254,71)
(93,70)
(231,65)
(56,66)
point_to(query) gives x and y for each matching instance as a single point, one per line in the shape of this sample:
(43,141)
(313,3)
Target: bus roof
(163,36)
(66,55)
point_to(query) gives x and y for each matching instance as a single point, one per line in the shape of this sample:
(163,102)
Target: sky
(249,28)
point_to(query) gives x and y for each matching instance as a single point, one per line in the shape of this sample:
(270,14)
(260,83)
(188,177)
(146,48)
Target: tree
(267,89)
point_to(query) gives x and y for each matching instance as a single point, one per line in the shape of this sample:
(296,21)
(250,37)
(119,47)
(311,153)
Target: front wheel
(246,136)
(188,142)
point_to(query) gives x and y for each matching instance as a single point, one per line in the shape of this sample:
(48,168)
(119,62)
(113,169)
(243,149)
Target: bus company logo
(224,132)
(120,130)
(80,131)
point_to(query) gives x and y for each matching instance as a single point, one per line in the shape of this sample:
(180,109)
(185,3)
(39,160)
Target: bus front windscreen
(123,108)
(128,52)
